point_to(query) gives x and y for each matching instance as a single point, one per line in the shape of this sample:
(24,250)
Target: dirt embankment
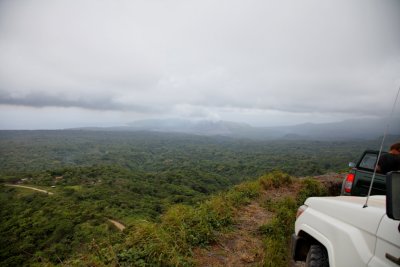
(243,246)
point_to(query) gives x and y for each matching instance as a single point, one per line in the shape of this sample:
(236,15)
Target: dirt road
(30,187)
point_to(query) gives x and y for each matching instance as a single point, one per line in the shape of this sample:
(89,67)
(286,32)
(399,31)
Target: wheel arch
(304,243)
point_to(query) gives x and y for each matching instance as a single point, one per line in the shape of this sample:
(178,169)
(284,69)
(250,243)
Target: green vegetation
(275,179)
(170,242)
(278,231)
(209,158)
(166,188)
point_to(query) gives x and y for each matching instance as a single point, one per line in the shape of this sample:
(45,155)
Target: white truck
(341,231)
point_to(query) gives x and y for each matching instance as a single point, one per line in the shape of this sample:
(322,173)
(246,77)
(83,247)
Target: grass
(275,179)
(181,228)
(277,232)
(74,187)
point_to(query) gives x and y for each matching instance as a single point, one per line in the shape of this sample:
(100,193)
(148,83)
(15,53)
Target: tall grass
(182,227)
(275,179)
(278,231)
(309,188)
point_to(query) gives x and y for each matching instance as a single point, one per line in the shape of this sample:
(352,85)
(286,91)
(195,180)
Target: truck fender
(316,235)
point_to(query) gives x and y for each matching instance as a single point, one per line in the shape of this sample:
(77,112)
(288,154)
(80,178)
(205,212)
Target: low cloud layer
(201,59)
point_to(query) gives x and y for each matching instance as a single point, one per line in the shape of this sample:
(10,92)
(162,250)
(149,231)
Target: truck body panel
(336,220)
(350,210)
(351,234)
(387,243)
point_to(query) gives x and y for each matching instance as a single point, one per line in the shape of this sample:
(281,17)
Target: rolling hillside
(355,129)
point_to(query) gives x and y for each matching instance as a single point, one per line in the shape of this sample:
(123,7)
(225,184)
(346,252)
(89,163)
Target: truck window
(368,162)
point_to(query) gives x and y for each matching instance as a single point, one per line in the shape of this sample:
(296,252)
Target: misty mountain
(348,129)
(344,130)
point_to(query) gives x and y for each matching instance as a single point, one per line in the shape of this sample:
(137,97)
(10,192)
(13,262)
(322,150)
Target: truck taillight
(349,182)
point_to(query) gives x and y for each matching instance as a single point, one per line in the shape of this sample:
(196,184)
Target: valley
(143,181)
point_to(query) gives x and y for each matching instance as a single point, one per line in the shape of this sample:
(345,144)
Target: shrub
(243,193)
(148,244)
(187,226)
(218,211)
(274,179)
(309,188)
(182,227)
(333,187)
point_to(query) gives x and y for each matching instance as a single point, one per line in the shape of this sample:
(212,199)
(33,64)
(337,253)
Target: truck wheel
(317,257)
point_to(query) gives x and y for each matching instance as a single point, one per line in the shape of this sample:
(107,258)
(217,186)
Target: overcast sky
(101,63)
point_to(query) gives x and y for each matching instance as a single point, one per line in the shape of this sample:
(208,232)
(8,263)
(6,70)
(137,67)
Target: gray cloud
(40,100)
(202,58)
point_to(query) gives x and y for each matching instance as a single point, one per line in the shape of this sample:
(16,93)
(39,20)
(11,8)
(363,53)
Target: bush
(333,187)
(274,179)
(187,226)
(148,244)
(218,211)
(182,227)
(243,193)
(309,188)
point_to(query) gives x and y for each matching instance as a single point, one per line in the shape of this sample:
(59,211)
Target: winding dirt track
(29,187)
(117,224)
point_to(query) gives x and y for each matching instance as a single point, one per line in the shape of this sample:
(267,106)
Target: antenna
(380,149)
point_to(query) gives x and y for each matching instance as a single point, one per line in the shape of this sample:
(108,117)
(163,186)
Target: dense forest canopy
(96,176)
(27,151)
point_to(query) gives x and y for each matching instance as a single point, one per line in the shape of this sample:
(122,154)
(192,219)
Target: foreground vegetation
(278,231)
(168,241)
(167,190)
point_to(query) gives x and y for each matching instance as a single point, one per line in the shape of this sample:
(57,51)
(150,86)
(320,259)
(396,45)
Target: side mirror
(352,165)
(393,195)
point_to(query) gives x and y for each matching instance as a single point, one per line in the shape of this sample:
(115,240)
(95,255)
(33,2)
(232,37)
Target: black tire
(317,257)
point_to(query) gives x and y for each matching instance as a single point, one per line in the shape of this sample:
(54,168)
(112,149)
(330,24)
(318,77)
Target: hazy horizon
(176,123)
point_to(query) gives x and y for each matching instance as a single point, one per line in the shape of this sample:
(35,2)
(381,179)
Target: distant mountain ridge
(348,129)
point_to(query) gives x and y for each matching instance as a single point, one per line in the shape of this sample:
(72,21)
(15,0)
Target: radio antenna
(380,149)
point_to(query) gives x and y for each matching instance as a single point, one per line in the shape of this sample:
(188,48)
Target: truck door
(387,250)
